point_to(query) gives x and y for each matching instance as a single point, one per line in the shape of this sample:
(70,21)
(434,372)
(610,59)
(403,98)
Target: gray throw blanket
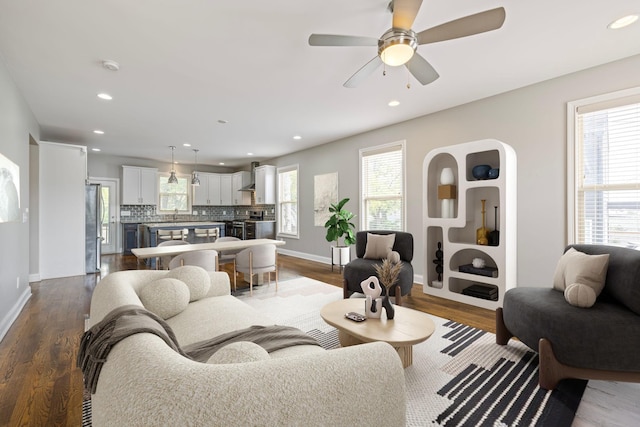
(97,342)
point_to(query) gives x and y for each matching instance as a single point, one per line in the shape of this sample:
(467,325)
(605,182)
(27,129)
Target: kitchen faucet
(175,214)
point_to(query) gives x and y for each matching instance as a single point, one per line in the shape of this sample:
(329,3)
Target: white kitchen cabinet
(226,189)
(455,228)
(265,176)
(240,180)
(208,192)
(139,185)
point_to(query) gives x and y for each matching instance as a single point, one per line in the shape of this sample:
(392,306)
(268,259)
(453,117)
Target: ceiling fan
(397,46)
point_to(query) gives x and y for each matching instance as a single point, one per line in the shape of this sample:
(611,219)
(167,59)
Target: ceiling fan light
(397,46)
(397,54)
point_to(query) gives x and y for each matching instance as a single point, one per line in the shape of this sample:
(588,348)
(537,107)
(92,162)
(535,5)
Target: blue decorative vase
(481,171)
(493,173)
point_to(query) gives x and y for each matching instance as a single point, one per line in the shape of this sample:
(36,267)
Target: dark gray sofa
(360,269)
(600,342)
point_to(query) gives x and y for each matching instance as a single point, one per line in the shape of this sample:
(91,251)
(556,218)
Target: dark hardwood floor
(39,382)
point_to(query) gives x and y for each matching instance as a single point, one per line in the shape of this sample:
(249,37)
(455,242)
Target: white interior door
(109,214)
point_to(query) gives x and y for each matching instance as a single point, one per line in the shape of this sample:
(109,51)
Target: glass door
(108,215)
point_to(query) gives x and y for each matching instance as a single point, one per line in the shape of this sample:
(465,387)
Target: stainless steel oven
(238,229)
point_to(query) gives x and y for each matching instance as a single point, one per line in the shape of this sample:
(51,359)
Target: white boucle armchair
(145,383)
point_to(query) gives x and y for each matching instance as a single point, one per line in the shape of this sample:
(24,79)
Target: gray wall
(16,124)
(531,119)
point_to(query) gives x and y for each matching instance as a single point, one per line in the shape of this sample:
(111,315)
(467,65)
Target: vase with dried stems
(388,273)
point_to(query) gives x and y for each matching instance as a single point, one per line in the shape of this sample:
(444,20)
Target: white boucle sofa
(145,383)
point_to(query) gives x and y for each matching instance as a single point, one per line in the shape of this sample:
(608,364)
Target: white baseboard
(310,257)
(13,314)
(417,278)
(34,278)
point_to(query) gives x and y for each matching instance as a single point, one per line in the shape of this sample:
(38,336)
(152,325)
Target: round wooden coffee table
(408,327)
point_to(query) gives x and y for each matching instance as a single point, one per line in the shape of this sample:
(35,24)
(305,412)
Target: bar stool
(211,234)
(164,235)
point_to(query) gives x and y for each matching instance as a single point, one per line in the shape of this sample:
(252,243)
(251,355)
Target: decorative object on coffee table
(373,303)
(388,273)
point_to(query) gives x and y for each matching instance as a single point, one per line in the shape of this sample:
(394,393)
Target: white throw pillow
(580,295)
(239,352)
(379,245)
(577,267)
(393,256)
(196,278)
(165,297)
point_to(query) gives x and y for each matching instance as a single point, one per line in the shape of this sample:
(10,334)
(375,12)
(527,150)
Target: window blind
(288,201)
(383,188)
(608,173)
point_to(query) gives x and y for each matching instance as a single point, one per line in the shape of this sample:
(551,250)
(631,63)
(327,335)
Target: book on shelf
(481,291)
(484,271)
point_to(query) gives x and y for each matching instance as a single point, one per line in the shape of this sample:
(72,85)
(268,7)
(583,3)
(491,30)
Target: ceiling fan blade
(421,69)
(469,25)
(335,40)
(404,13)
(363,73)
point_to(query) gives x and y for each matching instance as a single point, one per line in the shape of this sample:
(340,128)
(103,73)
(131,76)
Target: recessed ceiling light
(95,149)
(105,96)
(622,22)
(221,163)
(99,132)
(297,137)
(186,144)
(393,103)
(249,154)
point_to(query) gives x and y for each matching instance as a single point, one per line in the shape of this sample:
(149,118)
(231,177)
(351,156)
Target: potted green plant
(339,226)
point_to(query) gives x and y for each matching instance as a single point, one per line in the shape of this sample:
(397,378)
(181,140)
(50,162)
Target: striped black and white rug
(459,376)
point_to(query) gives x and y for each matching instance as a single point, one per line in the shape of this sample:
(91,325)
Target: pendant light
(172,177)
(195,180)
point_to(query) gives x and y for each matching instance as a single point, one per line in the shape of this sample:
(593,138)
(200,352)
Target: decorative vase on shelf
(482,232)
(446,192)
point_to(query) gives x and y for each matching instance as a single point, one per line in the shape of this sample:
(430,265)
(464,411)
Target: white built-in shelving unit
(457,234)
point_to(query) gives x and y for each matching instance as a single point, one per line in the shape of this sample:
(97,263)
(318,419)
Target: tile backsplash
(147,213)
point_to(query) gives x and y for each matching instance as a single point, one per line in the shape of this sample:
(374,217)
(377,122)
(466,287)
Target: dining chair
(165,260)
(206,258)
(256,260)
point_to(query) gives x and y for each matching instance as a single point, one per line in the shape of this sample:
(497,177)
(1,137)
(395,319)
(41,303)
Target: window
(174,196)
(605,187)
(288,201)
(382,187)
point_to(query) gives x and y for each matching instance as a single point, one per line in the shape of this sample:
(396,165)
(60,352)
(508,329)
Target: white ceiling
(185,64)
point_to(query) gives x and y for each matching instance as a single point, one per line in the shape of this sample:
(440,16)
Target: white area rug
(458,357)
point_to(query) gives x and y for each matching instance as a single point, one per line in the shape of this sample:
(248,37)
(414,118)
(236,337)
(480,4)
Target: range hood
(252,185)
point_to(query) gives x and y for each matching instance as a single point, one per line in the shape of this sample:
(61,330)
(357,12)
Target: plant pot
(340,255)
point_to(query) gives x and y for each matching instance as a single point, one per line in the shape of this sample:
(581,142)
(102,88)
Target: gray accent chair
(360,269)
(600,342)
